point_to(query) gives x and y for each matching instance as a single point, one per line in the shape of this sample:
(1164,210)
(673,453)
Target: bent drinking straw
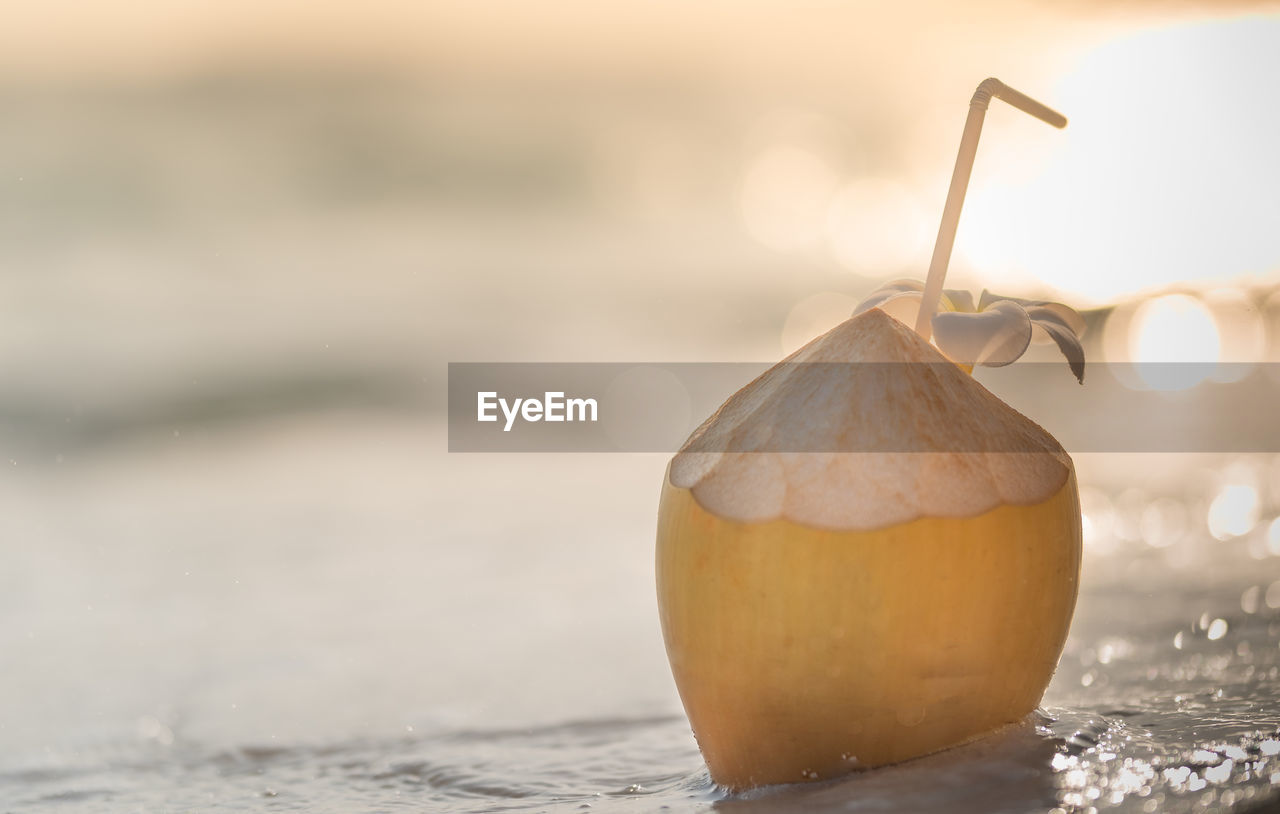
(989,89)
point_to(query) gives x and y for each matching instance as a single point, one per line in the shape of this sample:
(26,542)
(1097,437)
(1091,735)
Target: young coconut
(864,556)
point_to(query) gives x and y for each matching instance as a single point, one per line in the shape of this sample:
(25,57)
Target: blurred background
(240,243)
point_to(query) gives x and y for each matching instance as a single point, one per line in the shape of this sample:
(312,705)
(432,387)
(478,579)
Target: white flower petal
(961,300)
(1065,313)
(907,295)
(996,334)
(993,337)
(1066,339)
(1041,315)
(986,298)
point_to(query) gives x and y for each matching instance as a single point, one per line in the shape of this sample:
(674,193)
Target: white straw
(989,89)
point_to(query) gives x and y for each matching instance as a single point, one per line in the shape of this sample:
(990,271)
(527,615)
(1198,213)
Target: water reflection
(976,777)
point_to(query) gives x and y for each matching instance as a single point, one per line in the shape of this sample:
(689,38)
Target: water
(1185,755)
(328,613)
(1207,743)
(560,768)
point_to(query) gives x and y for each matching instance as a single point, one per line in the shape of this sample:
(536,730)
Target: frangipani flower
(994,333)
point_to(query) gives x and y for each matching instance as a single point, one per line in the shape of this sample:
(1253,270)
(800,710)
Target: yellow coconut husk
(826,611)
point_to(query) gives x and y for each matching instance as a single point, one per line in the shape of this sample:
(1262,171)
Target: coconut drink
(865,556)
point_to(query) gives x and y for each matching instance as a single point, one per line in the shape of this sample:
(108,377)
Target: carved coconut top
(867,426)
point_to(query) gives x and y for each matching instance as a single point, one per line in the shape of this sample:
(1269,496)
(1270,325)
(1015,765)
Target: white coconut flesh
(777,449)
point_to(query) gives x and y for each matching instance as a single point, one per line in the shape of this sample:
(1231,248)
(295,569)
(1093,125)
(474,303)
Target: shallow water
(327,613)
(1192,730)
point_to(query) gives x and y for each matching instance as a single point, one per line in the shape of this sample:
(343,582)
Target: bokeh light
(1173,339)
(1234,511)
(1098,520)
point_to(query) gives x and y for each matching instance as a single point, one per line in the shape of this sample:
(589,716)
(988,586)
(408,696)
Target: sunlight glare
(1166,173)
